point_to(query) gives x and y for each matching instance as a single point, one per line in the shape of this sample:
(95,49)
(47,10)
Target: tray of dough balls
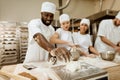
(76,70)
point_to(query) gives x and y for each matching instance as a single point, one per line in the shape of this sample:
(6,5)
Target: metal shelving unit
(13,42)
(23,41)
(9,43)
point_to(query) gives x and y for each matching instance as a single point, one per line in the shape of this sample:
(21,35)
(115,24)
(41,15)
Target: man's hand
(61,53)
(71,44)
(117,49)
(92,56)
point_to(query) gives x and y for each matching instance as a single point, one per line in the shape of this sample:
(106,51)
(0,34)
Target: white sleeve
(102,30)
(33,27)
(90,40)
(58,30)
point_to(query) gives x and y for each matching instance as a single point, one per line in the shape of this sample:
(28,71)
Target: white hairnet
(64,17)
(48,7)
(85,21)
(118,15)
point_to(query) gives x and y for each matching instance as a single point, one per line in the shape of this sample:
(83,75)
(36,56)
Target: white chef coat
(64,35)
(83,40)
(110,31)
(35,52)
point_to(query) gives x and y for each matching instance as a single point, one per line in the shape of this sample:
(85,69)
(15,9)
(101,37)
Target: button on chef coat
(83,40)
(64,35)
(111,32)
(35,52)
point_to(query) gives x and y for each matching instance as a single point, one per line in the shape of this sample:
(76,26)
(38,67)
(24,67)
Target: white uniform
(110,31)
(35,52)
(64,35)
(83,40)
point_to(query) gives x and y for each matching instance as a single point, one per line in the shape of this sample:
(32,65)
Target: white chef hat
(85,21)
(118,15)
(64,17)
(48,7)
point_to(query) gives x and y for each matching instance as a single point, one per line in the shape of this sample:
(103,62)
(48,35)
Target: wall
(108,4)
(25,10)
(80,8)
(21,10)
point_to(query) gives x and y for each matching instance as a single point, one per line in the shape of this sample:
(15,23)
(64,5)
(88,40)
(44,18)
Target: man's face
(117,22)
(47,18)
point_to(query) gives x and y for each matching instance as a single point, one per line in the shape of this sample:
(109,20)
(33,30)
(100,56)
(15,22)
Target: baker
(40,31)
(108,35)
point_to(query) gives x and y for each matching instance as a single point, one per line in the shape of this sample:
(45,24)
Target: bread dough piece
(73,66)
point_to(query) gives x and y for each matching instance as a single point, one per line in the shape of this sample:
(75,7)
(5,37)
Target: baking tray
(8,55)
(9,58)
(9,62)
(22,54)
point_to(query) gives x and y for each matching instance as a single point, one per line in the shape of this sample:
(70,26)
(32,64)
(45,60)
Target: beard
(46,22)
(116,24)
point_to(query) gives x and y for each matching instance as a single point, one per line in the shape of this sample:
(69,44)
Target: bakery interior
(14,18)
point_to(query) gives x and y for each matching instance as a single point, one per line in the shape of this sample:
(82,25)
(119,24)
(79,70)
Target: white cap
(64,17)
(118,15)
(85,21)
(48,7)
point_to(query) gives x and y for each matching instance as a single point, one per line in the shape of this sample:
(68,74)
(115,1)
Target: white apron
(84,41)
(64,35)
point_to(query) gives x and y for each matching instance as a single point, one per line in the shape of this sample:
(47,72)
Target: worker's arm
(41,40)
(59,52)
(108,42)
(93,50)
(78,47)
(56,40)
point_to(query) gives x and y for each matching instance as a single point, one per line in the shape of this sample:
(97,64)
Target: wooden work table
(114,72)
(112,69)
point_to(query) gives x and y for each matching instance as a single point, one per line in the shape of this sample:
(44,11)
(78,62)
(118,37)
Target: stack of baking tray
(23,41)
(9,43)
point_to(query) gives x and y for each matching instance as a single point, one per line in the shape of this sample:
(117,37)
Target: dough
(73,66)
